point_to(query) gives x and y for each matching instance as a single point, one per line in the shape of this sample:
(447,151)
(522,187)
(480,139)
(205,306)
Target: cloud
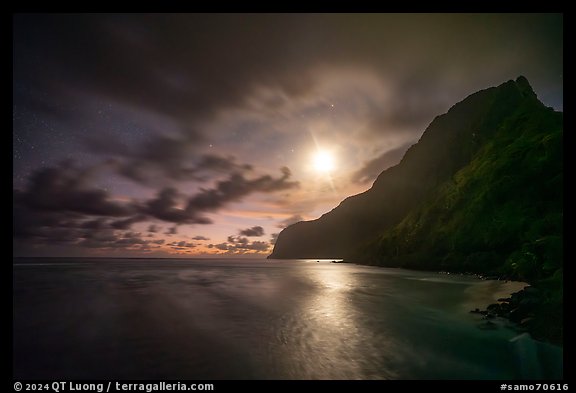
(259,246)
(215,163)
(255,231)
(65,188)
(241,245)
(290,220)
(116,240)
(127,222)
(164,158)
(235,188)
(59,206)
(181,245)
(222,246)
(273,238)
(50,228)
(181,84)
(153,228)
(194,66)
(165,207)
(200,237)
(160,154)
(238,240)
(371,169)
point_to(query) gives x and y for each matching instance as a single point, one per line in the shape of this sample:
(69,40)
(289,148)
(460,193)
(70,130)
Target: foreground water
(257,319)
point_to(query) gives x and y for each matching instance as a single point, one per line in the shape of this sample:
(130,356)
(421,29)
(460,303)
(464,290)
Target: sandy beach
(488,292)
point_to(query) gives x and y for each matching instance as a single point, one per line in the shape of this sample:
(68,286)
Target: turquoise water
(258,319)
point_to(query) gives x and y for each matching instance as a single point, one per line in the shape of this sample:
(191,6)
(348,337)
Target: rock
(524,309)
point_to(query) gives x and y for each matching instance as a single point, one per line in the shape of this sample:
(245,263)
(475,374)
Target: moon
(323,162)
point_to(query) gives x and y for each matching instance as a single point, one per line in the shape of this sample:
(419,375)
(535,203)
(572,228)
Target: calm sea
(258,319)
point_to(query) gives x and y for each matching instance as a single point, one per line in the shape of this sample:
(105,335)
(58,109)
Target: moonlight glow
(323,162)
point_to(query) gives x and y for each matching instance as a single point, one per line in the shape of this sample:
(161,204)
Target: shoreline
(488,292)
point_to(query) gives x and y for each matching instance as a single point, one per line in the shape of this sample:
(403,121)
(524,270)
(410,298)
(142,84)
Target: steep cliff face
(450,143)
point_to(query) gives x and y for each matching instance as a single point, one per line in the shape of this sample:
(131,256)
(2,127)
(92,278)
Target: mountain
(481,191)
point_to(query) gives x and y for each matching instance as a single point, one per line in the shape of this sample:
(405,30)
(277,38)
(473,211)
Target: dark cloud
(50,228)
(241,245)
(153,228)
(200,237)
(374,167)
(66,188)
(168,156)
(115,240)
(255,246)
(42,226)
(191,66)
(255,231)
(62,198)
(59,206)
(235,188)
(127,222)
(175,158)
(212,162)
(96,224)
(273,238)
(222,246)
(237,240)
(56,196)
(181,245)
(184,61)
(165,207)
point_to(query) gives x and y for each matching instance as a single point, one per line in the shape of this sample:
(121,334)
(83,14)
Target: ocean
(91,318)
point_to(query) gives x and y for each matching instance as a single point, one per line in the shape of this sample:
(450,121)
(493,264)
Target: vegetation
(501,213)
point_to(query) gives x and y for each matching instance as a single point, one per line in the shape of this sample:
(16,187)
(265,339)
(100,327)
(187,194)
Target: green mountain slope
(501,212)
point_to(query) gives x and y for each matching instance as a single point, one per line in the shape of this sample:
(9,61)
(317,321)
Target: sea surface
(258,319)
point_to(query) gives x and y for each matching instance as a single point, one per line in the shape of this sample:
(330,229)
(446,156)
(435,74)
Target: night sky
(196,134)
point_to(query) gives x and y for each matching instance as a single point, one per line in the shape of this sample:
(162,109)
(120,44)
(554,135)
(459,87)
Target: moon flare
(323,162)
